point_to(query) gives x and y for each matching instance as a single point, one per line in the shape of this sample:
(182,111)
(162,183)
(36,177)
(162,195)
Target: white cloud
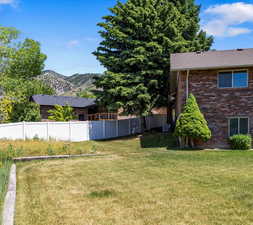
(73,43)
(227,19)
(91,39)
(6,2)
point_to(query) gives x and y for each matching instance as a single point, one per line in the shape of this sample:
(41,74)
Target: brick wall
(217,104)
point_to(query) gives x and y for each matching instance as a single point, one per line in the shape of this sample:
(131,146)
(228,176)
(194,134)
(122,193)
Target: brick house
(84,108)
(222,82)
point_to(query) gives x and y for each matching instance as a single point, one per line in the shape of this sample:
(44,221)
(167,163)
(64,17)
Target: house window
(233,79)
(238,125)
(81,117)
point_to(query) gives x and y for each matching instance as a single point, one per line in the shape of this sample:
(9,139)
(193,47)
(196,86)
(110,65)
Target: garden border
(31,158)
(10,199)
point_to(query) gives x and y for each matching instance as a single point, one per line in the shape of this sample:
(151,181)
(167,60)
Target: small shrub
(241,142)
(66,149)
(50,150)
(36,137)
(19,151)
(93,149)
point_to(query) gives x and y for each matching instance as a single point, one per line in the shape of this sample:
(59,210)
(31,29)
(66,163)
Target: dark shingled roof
(63,101)
(212,59)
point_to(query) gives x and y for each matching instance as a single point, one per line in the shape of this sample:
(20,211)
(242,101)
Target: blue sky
(68,33)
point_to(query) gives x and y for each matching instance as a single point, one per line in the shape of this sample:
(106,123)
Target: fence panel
(155,121)
(124,128)
(96,130)
(79,131)
(35,130)
(12,131)
(111,129)
(59,131)
(135,125)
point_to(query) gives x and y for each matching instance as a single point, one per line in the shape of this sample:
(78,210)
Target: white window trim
(232,71)
(238,117)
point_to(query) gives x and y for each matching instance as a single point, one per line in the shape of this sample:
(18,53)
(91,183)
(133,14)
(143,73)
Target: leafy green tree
(6,109)
(26,61)
(138,38)
(20,63)
(7,36)
(86,94)
(29,112)
(191,124)
(23,89)
(18,93)
(61,113)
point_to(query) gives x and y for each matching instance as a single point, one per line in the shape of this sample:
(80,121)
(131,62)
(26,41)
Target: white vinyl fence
(78,131)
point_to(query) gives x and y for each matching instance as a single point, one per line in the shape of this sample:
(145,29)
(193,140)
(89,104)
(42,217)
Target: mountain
(56,81)
(68,85)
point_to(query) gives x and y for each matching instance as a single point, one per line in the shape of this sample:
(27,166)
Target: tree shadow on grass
(158,140)
(163,140)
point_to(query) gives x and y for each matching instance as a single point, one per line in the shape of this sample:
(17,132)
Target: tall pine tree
(138,38)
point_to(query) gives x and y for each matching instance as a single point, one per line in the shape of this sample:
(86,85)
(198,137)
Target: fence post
(129,126)
(140,130)
(48,131)
(24,130)
(104,131)
(69,131)
(117,128)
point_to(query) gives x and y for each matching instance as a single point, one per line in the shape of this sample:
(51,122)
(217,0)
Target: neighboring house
(222,82)
(84,108)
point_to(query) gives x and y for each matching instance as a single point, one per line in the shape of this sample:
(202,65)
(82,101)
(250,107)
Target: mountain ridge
(68,85)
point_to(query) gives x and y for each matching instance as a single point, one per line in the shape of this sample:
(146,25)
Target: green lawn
(4,176)
(140,182)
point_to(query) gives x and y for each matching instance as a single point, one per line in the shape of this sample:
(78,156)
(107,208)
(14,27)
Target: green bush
(191,124)
(241,142)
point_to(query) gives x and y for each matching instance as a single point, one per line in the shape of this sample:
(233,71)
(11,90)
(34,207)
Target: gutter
(187,84)
(212,67)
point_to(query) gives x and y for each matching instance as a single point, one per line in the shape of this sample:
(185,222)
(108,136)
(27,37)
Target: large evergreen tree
(138,38)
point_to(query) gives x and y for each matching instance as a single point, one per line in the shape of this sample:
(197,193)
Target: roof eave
(81,107)
(213,67)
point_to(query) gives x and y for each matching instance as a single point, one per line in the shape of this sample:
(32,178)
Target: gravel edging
(10,199)
(30,158)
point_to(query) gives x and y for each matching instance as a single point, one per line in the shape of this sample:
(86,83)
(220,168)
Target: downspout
(178,109)
(187,84)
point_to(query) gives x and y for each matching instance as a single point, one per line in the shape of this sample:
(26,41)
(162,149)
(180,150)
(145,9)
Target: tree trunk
(170,118)
(143,124)
(192,143)
(186,142)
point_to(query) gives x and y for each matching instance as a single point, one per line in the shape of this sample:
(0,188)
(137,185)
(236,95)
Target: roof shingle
(212,59)
(63,101)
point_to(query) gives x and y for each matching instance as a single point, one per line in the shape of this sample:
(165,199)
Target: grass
(140,182)
(39,147)
(5,164)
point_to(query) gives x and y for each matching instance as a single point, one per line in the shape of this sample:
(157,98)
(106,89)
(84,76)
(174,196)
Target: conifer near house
(191,125)
(137,39)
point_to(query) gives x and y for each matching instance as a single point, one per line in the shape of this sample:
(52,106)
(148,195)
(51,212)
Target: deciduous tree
(20,63)
(61,113)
